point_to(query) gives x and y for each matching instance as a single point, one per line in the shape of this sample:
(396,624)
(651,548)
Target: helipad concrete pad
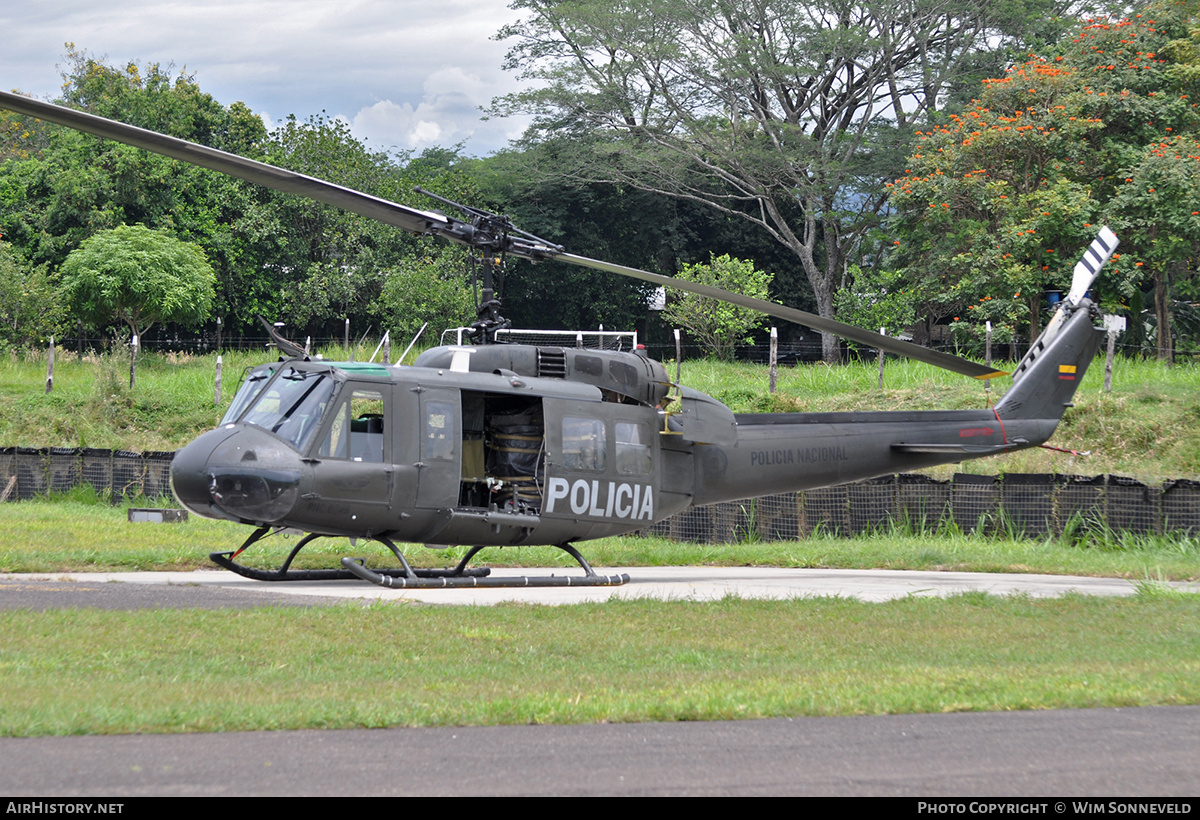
(663,583)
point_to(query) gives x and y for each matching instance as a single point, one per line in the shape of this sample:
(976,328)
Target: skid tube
(225,560)
(460,576)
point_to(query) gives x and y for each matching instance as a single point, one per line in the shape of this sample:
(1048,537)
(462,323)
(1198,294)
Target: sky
(404,74)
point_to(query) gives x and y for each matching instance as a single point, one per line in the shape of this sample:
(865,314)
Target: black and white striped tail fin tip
(1099,252)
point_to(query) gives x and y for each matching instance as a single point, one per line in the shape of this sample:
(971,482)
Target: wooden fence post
(133,355)
(50,367)
(773,369)
(882,332)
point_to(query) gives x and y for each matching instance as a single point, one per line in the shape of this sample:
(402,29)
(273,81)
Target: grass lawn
(94,671)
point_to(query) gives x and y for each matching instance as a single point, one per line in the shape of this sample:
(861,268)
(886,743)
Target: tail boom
(787,452)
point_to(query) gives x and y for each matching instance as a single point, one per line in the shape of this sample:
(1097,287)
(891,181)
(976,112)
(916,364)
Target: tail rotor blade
(1086,269)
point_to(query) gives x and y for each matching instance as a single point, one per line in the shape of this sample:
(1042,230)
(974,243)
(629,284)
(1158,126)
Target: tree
(329,264)
(782,113)
(994,204)
(273,254)
(1158,208)
(30,310)
(997,203)
(719,326)
(138,276)
(600,221)
(428,288)
(58,187)
(877,299)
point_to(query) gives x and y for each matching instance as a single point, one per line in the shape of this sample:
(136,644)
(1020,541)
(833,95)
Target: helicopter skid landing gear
(225,560)
(460,576)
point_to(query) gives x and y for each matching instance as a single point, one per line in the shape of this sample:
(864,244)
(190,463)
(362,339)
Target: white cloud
(404,73)
(448,113)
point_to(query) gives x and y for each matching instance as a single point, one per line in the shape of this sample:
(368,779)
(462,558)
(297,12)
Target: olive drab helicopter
(493,444)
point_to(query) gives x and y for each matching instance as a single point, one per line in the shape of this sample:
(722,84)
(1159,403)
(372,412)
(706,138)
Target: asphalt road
(1085,752)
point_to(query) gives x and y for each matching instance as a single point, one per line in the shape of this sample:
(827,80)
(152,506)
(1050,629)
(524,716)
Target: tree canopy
(782,113)
(719,326)
(930,159)
(273,255)
(30,309)
(138,276)
(997,202)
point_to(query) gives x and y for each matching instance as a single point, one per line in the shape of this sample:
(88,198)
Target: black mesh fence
(1181,506)
(921,502)
(1031,504)
(1027,500)
(1079,501)
(974,502)
(96,468)
(31,467)
(129,473)
(1131,506)
(26,472)
(1026,504)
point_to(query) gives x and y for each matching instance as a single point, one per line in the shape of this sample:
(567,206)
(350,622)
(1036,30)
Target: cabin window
(584,443)
(438,440)
(633,448)
(356,432)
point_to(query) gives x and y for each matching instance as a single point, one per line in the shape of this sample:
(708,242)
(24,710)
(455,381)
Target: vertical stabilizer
(1048,381)
(1086,270)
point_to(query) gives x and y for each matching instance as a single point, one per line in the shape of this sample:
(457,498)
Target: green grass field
(93,671)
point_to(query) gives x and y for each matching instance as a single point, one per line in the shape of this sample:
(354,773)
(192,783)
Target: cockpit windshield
(291,406)
(246,393)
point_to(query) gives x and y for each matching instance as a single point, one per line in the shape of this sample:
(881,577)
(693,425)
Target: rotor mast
(492,236)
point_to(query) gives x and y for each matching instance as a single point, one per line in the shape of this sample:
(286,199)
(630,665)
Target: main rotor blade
(454,230)
(800,317)
(270,176)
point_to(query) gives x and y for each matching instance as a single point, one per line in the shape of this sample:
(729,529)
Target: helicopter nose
(189,474)
(239,474)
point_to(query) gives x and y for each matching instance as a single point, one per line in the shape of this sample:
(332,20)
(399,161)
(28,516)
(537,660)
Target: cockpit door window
(356,431)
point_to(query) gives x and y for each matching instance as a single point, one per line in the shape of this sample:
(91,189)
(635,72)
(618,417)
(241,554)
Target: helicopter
(492,444)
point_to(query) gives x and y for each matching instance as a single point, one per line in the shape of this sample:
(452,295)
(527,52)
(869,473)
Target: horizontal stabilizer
(965,449)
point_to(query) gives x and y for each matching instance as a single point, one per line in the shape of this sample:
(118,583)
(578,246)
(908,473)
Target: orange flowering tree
(998,201)
(1158,207)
